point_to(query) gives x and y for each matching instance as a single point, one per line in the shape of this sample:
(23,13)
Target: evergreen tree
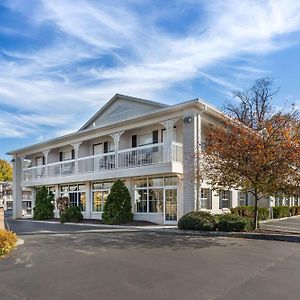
(44,207)
(117,209)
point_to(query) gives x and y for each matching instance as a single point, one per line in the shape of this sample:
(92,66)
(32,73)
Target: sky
(62,60)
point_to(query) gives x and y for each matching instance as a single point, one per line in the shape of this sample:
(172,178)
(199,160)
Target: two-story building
(6,199)
(149,145)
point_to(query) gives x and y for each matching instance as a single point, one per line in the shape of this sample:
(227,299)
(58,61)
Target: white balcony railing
(176,152)
(97,163)
(141,156)
(128,158)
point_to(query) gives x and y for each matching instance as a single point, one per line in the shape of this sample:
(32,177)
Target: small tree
(44,207)
(5,170)
(117,209)
(62,203)
(262,163)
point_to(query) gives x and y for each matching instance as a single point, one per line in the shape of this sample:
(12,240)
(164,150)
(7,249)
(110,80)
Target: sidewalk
(284,225)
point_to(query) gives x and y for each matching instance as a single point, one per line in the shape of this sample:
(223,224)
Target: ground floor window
(224,199)
(27,207)
(242,198)
(278,200)
(100,191)
(205,198)
(296,200)
(76,194)
(287,201)
(149,193)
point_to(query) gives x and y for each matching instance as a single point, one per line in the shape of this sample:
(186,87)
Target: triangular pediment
(121,108)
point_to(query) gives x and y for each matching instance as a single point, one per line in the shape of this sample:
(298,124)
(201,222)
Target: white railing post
(22,167)
(116,137)
(46,154)
(168,124)
(76,150)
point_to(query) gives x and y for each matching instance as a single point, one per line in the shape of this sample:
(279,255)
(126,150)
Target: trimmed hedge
(72,215)
(248,211)
(235,223)
(204,221)
(197,220)
(8,242)
(281,212)
(295,210)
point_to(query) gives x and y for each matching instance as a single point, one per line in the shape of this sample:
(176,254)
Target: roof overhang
(195,103)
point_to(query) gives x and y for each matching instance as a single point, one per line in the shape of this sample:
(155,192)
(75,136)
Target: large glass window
(141,200)
(76,195)
(156,200)
(296,200)
(148,193)
(100,191)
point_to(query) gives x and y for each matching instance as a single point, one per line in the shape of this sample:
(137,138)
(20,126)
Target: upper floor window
(145,139)
(66,155)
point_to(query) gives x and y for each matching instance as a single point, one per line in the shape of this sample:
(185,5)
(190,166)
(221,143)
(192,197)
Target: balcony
(138,157)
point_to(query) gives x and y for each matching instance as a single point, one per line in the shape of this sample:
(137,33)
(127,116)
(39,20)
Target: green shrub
(44,208)
(248,211)
(62,203)
(197,220)
(297,210)
(293,210)
(117,209)
(8,241)
(236,223)
(72,215)
(281,212)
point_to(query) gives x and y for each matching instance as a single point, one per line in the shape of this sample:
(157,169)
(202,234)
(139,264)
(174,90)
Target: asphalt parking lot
(62,262)
(291,225)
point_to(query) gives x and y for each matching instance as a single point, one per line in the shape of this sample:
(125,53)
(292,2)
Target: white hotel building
(147,144)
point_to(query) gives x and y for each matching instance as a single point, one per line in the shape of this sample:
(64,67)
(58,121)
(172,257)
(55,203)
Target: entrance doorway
(170,205)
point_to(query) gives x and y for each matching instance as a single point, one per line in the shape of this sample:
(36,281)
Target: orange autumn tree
(261,162)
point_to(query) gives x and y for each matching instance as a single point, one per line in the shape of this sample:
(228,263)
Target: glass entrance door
(170,206)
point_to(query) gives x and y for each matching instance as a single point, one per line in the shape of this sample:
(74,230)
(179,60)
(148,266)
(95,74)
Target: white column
(32,198)
(17,187)
(168,124)
(76,150)
(46,153)
(191,141)
(116,137)
(88,200)
(57,195)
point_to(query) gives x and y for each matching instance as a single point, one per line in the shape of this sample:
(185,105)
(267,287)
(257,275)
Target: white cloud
(102,48)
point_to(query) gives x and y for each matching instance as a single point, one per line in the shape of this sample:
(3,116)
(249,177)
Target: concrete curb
(244,235)
(19,242)
(280,219)
(149,227)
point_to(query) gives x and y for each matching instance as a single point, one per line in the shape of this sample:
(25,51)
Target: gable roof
(161,110)
(103,115)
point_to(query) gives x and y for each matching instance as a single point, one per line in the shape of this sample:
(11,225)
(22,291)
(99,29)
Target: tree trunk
(255,210)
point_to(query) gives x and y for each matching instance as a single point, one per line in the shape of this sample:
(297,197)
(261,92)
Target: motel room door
(170,205)
(98,149)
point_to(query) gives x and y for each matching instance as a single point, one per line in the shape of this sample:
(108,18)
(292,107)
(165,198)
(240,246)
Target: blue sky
(61,60)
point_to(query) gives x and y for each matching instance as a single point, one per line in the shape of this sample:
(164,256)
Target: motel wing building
(147,144)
